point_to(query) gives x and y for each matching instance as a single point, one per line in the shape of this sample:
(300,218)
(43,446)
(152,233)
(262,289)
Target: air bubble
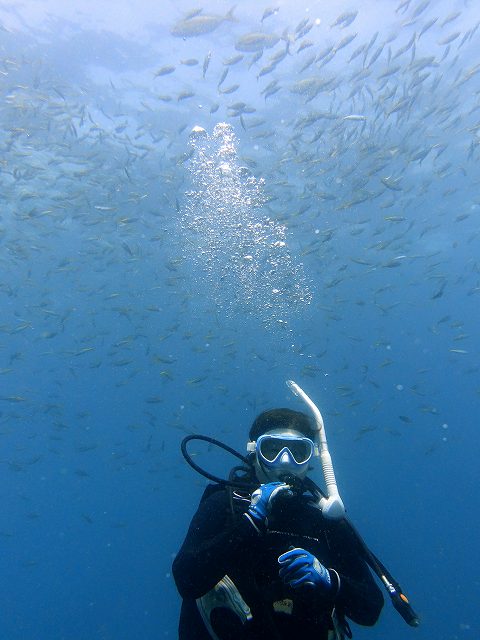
(198,131)
(239,255)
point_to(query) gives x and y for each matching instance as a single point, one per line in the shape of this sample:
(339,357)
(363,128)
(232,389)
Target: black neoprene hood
(282,419)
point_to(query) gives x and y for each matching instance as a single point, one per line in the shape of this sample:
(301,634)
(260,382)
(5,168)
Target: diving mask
(282,453)
(273,448)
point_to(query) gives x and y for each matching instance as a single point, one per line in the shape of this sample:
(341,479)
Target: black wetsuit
(220,543)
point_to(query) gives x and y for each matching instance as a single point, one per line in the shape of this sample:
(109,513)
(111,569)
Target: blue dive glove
(262,499)
(300,568)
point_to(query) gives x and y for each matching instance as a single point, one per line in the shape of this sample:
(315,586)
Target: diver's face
(282,453)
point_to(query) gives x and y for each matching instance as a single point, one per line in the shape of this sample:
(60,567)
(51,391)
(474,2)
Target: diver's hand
(300,568)
(262,498)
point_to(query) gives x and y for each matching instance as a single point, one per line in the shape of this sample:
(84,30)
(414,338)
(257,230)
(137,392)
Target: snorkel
(332,505)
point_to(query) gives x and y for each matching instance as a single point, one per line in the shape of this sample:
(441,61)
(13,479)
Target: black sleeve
(358,597)
(213,544)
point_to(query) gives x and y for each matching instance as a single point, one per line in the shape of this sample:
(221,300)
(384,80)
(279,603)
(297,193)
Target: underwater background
(200,202)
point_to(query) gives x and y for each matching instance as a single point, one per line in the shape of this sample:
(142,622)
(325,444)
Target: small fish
(355,118)
(48,334)
(344,19)
(196,380)
(301,33)
(400,105)
(270,92)
(406,47)
(305,44)
(269,11)
(255,58)
(231,89)
(21,327)
(256,42)
(357,52)
(301,25)
(439,292)
(403,5)
(200,24)
(375,56)
(308,63)
(420,8)
(85,447)
(265,70)
(83,351)
(184,95)
(223,76)
(163,71)
(345,41)
(391,264)
(270,85)
(395,218)
(389,72)
(451,38)
(391,183)
(206,62)
(280,55)
(428,25)
(229,62)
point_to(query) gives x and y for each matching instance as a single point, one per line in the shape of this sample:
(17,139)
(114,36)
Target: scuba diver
(268,554)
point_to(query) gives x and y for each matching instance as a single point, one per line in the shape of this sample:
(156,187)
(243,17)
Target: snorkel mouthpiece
(332,506)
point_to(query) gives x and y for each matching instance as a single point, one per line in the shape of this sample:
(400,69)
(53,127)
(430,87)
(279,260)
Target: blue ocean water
(321,226)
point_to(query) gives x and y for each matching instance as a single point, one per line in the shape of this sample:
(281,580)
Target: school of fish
(357,146)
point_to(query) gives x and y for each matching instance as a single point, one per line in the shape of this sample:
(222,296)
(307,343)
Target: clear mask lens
(272,447)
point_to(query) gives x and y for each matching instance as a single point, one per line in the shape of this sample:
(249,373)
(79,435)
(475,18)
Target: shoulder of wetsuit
(210,490)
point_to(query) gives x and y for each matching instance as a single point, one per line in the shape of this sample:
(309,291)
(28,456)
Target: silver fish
(256,41)
(206,62)
(163,71)
(200,24)
(344,19)
(270,11)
